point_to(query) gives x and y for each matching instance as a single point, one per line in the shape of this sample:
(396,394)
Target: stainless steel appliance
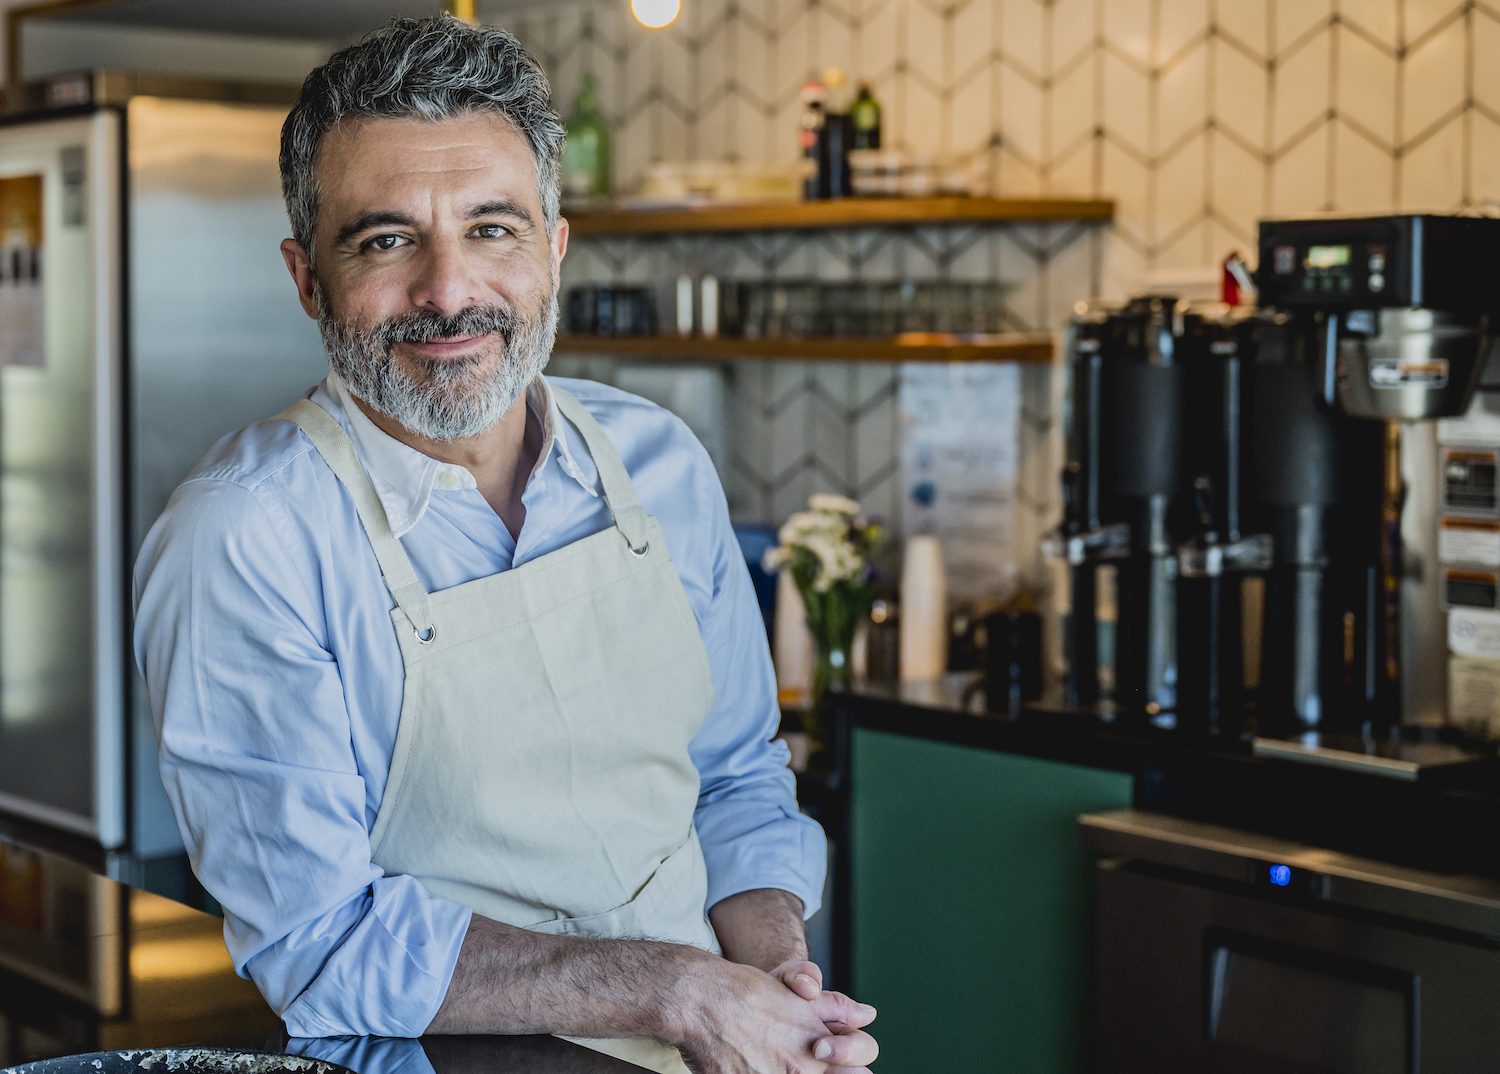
(146,314)
(1401,313)
(1291,515)
(1222,951)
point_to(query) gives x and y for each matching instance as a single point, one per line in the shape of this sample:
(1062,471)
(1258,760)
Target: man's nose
(445,281)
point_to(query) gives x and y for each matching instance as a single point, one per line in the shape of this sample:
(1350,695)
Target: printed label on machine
(1469,481)
(1474,633)
(1401,372)
(1462,540)
(1474,694)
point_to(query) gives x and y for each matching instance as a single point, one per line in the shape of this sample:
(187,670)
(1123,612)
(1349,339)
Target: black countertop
(1438,817)
(88,964)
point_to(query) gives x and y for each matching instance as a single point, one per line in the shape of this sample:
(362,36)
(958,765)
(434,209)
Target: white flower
(851,565)
(828,503)
(822,534)
(775,558)
(808,524)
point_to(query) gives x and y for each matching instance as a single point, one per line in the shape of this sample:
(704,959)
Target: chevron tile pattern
(1197,116)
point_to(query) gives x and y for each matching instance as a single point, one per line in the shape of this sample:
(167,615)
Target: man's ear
(559,248)
(300,266)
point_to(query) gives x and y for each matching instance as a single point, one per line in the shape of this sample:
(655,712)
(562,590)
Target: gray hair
(430,68)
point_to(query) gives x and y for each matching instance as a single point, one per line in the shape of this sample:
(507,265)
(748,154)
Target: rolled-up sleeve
(257,761)
(752,832)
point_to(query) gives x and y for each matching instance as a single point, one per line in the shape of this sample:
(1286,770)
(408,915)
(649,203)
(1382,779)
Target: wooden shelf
(1012,347)
(615,219)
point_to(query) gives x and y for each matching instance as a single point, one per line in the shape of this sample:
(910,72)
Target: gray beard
(449,400)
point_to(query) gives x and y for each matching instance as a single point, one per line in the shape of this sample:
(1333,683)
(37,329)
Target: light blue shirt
(263,630)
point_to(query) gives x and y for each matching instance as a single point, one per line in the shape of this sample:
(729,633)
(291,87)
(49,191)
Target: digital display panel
(1327,257)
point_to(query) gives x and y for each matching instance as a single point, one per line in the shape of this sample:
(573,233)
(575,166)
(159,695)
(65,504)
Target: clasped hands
(745,1020)
(847,1048)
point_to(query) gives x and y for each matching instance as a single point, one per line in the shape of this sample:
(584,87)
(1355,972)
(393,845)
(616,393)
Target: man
(463,699)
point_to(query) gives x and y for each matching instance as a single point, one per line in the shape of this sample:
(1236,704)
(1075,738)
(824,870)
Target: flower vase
(833,674)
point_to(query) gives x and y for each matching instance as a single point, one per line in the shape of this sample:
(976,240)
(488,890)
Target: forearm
(511,980)
(760,928)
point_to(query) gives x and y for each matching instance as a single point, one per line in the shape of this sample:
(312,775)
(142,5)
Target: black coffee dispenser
(1259,484)
(1313,486)
(1396,316)
(1216,344)
(1121,492)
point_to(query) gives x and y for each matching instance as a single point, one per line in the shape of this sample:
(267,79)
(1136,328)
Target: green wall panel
(972,905)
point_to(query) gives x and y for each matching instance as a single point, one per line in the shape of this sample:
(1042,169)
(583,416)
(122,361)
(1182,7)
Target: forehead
(365,162)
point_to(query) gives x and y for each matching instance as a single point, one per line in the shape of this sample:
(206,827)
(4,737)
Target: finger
(833,1007)
(853,1049)
(801,976)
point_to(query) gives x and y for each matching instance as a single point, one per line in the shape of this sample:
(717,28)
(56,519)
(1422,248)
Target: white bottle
(708,308)
(791,643)
(684,305)
(924,611)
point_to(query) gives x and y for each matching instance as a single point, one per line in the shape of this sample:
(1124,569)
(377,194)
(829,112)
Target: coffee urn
(1121,492)
(1298,505)
(1216,344)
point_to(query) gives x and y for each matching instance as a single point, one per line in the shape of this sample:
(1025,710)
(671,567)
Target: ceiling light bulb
(655,14)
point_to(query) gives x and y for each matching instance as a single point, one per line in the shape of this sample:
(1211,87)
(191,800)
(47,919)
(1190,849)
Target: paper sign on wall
(960,440)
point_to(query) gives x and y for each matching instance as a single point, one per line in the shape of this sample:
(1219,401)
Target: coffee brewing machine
(1290,514)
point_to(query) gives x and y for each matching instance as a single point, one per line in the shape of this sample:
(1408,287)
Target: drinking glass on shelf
(989,306)
(865,311)
(733,308)
(916,307)
(953,311)
(755,324)
(838,315)
(889,320)
(801,309)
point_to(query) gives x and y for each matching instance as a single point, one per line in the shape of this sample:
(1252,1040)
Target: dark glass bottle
(810,129)
(838,137)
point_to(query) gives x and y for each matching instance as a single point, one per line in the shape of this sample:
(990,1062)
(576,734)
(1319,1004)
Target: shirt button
(448,480)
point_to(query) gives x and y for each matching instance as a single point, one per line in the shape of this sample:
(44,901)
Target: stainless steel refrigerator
(144,313)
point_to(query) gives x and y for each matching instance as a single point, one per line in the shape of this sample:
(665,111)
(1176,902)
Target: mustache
(424,326)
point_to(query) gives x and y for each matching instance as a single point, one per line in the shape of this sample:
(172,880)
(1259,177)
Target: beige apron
(541,774)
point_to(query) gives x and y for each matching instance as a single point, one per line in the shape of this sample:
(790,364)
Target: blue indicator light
(1281,875)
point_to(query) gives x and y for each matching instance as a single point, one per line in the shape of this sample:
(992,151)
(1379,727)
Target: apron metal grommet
(426,636)
(642,550)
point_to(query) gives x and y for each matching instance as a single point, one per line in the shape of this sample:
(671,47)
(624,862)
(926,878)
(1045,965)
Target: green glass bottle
(865,112)
(585,163)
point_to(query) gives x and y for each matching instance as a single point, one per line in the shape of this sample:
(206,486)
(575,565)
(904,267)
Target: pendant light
(655,14)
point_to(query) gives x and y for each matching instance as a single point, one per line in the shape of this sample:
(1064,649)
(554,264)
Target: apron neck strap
(619,492)
(328,436)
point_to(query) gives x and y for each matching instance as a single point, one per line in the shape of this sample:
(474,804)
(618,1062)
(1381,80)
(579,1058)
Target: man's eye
(385,242)
(491,231)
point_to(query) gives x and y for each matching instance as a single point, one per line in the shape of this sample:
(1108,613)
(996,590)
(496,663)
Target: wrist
(692,978)
(761,927)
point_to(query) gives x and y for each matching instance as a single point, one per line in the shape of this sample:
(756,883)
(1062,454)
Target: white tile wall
(1196,116)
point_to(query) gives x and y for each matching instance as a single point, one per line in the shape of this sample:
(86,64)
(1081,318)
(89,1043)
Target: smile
(446,348)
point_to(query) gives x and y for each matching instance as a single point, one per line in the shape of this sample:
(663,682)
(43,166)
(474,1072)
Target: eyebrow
(390,218)
(501,207)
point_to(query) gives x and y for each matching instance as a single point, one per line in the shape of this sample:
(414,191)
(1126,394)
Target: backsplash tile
(1196,116)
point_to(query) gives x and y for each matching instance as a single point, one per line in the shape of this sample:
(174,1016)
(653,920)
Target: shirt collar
(405,478)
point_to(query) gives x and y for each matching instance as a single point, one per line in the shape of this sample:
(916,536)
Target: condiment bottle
(585,162)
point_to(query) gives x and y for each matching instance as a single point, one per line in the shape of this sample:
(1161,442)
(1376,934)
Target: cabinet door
(971,904)
(62,649)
